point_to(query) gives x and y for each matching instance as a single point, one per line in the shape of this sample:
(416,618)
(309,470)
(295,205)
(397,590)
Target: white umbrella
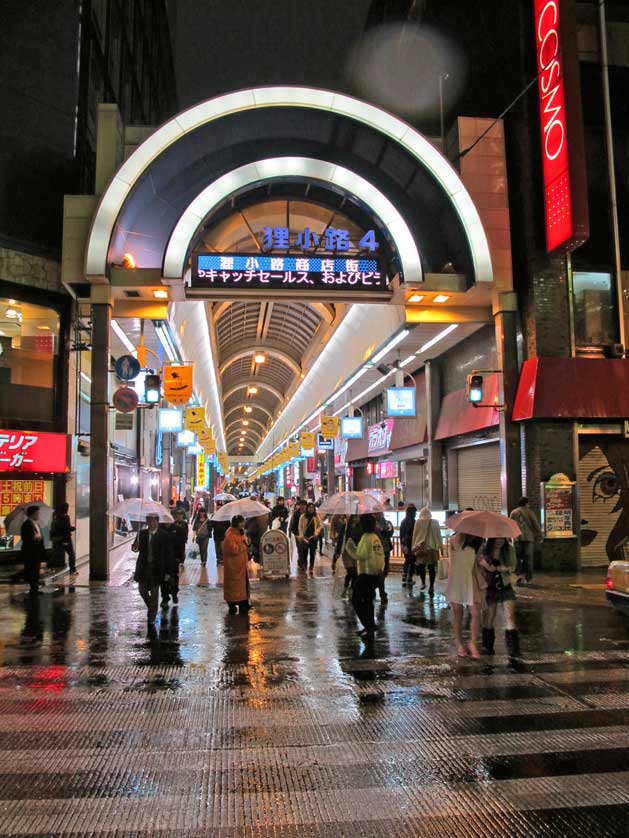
(350,503)
(224,496)
(137,509)
(246,507)
(16,517)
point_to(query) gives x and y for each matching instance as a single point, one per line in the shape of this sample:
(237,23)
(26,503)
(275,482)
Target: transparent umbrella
(16,517)
(225,496)
(484,524)
(350,503)
(136,509)
(246,507)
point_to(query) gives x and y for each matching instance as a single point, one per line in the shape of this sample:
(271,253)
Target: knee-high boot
(489,638)
(512,641)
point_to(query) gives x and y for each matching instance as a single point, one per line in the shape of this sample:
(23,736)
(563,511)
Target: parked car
(618,585)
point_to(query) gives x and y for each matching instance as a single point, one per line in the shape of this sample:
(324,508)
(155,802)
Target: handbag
(193,551)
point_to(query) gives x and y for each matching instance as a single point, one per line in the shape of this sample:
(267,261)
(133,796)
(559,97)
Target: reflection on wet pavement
(283,722)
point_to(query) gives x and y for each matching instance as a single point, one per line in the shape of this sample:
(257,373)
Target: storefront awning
(573,388)
(458,416)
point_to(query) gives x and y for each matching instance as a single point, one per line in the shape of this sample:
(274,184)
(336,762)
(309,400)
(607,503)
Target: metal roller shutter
(478,470)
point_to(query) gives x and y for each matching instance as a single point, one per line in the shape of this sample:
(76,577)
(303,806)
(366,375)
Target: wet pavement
(284,722)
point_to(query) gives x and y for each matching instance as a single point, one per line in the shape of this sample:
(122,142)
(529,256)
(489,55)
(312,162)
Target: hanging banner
(293,449)
(201,472)
(177,384)
(195,420)
(205,435)
(209,447)
(329,426)
(307,441)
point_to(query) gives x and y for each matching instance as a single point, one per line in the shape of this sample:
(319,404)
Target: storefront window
(594,311)
(29,344)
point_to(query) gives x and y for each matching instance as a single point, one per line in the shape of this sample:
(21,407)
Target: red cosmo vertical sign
(565,184)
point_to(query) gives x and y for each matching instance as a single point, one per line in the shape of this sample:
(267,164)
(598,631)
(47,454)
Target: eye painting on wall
(604,500)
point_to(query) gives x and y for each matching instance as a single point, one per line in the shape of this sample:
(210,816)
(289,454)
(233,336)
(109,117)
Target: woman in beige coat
(426,546)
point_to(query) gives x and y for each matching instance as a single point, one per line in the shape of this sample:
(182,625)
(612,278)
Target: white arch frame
(280,167)
(407,137)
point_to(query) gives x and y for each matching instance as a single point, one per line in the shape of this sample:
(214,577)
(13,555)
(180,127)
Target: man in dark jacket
(406,543)
(280,510)
(218,530)
(33,553)
(61,531)
(302,547)
(155,558)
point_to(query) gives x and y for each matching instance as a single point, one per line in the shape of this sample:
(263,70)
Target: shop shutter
(478,477)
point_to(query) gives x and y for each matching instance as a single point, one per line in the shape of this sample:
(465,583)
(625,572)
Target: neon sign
(565,195)
(331,240)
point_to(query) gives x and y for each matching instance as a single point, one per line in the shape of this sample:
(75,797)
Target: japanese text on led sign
(286,272)
(331,240)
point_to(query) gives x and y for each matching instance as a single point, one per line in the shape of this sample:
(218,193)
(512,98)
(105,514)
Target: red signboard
(563,160)
(32,451)
(386,470)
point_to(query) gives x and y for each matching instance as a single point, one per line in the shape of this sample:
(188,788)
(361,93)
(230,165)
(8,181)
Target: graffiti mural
(604,499)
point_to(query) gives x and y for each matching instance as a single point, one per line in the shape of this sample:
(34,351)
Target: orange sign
(178,384)
(15,492)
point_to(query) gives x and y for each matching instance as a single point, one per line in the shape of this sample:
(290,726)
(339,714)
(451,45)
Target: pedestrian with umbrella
(426,547)
(235,558)
(466,580)
(310,526)
(498,560)
(370,566)
(155,558)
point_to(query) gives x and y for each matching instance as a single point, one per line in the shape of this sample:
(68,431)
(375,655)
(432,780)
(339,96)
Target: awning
(573,388)
(458,416)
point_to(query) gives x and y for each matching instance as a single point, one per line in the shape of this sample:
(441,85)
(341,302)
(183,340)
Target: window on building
(594,310)
(29,345)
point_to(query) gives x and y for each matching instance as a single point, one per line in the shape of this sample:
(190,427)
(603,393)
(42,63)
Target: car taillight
(610,583)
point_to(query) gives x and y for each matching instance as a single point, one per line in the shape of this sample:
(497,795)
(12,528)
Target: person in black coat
(33,552)
(61,531)
(406,543)
(218,530)
(280,510)
(155,559)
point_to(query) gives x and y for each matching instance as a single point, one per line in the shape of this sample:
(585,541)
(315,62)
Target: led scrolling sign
(308,271)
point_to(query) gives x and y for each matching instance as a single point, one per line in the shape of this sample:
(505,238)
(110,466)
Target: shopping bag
(193,551)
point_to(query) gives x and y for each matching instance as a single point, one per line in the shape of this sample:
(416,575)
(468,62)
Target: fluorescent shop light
(390,345)
(438,337)
(122,336)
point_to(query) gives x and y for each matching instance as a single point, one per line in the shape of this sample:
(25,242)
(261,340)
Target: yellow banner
(209,447)
(307,441)
(329,427)
(204,435)
(201,471)
(177,384)
(293,449)
(195,420)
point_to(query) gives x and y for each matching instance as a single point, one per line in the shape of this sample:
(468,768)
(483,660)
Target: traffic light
(152,389)
(475,388)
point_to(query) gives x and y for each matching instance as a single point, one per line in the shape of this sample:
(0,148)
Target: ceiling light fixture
(416,298)
(438,337)
(441,298)
(248,409)
(252,390)
(259,357)
(160,294)
(12,313)
(245,422)
(128,260)
(390,345)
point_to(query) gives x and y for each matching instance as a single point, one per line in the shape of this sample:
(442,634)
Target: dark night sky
(224,45)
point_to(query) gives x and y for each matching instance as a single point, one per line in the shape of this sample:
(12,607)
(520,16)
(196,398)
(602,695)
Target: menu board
(15,492)
(558,510)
